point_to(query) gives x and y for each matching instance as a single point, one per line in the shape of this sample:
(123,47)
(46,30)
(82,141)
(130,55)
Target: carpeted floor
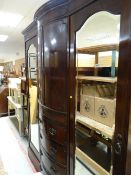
(2,171)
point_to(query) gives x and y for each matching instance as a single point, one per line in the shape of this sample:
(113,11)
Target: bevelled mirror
(32,76)
(97,46)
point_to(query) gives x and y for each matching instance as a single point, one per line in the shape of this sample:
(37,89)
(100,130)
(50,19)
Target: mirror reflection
(97,45)
(32,74)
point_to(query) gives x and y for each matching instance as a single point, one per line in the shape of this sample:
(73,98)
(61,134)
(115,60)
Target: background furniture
(17,101)
(3,101)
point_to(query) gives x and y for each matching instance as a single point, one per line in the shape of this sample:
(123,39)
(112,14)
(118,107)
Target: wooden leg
(8,109)
(21,128)
(21,123)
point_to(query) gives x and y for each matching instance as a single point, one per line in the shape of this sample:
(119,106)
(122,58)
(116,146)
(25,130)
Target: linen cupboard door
(53,106)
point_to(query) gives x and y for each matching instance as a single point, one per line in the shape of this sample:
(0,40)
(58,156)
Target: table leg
(21,123)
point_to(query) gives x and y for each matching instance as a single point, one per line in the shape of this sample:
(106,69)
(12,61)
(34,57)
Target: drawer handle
(41,152)
(53,168)
(40,120)
(53,151)
(41,136)
(52,131)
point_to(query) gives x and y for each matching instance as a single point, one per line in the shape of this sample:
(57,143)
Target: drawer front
(52,115)
(53,131)
(51,167)
(56,152)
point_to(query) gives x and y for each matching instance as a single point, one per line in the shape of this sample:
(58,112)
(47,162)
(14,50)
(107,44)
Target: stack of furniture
(17,102)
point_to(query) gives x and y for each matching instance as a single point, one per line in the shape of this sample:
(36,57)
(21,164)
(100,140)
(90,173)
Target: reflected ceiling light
(46,49)
(3,38)
(53,41)
(118,27)
(98,37)
(9,19)
(104,38)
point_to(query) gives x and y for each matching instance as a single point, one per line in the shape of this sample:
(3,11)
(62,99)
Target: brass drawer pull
(52,131)
(41,153)
(41,136)
(118,145)
(53,151)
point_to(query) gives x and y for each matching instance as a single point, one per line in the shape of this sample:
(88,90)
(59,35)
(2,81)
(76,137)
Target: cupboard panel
(55,65)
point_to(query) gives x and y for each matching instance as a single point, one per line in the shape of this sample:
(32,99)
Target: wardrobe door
(53,104)
(120,131)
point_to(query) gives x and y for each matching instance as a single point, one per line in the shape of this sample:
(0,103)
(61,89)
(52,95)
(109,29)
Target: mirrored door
(97,56)
(32,76)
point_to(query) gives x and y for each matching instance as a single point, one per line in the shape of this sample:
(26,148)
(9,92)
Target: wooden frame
(30,35)
(77,20)
(95,49)
(90,163)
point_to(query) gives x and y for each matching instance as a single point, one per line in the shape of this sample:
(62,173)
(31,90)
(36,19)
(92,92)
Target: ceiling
(13,47)
(101,28)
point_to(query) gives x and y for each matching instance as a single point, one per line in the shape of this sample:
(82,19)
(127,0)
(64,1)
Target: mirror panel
(97,46)
(32,75)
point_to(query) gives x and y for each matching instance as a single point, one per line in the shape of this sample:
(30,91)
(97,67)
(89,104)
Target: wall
(14,67)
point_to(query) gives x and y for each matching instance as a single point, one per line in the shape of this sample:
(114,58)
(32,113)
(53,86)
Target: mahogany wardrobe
(65,135)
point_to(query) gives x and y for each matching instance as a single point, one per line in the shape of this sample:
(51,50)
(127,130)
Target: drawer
(51,167)
(56,152)
(53,131)
(53,115)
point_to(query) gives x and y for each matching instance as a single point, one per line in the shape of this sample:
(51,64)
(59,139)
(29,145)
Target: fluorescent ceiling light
(98,37)
(53,41)
(118,27)
(3,38)
(9,19)
(104,38)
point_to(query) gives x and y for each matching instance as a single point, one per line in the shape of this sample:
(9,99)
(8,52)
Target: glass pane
(97,45)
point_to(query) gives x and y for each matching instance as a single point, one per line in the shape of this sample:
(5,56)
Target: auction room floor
(13,152)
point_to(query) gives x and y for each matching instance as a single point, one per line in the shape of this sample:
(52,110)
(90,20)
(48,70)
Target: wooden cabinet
(57,24)
(4,92)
